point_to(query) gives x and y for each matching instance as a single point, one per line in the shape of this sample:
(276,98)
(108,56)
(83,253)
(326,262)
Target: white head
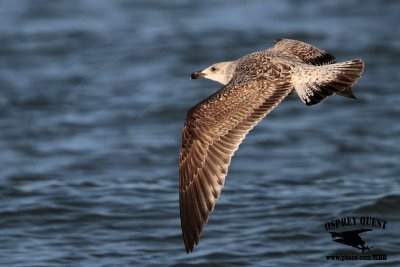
(220,72)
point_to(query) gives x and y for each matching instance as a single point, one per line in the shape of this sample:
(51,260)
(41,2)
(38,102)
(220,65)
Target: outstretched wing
(212,133)
(303,51)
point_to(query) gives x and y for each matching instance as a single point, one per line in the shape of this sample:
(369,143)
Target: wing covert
(212,132)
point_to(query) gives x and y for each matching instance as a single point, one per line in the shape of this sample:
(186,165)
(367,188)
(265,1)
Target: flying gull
(253,85)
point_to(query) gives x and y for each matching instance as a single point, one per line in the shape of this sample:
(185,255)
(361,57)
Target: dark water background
(93,98)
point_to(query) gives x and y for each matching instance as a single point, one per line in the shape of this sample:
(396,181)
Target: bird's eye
(213,69)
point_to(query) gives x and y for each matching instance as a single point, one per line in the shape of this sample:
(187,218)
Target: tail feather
(347,92)
(315,83)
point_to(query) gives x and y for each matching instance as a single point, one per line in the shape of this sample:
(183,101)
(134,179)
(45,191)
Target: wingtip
(189,249)
(324,59)
(353,97)
(277,40)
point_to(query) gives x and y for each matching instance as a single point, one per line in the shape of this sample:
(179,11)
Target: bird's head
(220,72)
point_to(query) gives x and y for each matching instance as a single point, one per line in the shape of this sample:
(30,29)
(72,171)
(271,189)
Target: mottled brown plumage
(302,51)
(215,127)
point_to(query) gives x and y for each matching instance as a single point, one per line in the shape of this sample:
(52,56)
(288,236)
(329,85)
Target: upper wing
(303,51)
(212,133)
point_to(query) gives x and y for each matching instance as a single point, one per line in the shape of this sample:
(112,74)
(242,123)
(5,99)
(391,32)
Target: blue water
(93,98)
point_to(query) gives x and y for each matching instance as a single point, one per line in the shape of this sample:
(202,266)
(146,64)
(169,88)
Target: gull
(253,85)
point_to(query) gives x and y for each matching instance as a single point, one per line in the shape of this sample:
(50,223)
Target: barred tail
(315,83)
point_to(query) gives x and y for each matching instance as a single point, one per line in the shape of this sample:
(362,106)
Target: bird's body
(254,85)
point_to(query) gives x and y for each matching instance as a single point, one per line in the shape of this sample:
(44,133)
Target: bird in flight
(253,85)
(351,238)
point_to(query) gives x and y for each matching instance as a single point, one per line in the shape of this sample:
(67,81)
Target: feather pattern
(208,144)
(254,85)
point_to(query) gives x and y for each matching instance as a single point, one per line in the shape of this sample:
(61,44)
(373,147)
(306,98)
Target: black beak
(196,75)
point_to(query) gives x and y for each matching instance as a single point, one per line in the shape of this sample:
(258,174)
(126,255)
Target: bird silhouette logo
(351,238)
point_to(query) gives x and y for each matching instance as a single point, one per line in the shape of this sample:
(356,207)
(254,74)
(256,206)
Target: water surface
(94,95)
